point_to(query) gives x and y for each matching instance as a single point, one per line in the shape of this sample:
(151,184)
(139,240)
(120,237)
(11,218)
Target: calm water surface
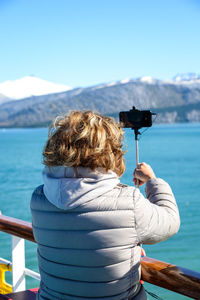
(172,150)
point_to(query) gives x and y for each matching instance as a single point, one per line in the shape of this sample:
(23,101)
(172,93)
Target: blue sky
(87,42)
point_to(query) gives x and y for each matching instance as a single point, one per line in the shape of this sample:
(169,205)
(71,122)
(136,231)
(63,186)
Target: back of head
(85,139)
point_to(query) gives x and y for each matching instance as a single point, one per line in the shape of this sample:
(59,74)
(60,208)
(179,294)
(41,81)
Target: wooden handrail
(171,277)
(17,227)
(168,276)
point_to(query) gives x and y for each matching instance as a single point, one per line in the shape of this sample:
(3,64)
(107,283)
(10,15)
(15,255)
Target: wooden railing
(17,227)
(165,275)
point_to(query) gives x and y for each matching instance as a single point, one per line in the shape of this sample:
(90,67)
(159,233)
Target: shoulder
(37,196)
(120,190)
(127,190)
(123,196)
(39,202)
(132,195)
(38,191)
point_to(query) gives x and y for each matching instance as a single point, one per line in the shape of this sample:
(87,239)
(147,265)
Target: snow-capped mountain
(144,79)
(30,86)
(174,102)
(186,77)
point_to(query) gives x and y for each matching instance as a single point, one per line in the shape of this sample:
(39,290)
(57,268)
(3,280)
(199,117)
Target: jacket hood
(67,188)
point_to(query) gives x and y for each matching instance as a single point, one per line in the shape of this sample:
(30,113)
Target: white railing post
(18,264)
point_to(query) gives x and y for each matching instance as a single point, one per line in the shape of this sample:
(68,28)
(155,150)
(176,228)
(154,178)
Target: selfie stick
(137,151)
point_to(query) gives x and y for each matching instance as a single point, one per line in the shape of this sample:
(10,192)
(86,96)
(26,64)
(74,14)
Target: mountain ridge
(174,102)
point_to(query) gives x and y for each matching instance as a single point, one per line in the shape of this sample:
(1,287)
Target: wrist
(150,177)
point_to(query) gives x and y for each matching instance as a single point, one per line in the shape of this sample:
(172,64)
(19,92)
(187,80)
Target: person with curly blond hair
(88,226)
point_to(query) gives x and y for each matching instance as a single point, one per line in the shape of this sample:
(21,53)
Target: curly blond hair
(85,139)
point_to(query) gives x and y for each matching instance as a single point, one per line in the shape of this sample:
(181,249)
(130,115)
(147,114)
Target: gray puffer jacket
(89,228)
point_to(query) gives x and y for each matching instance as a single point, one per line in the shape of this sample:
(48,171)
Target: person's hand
(143,173)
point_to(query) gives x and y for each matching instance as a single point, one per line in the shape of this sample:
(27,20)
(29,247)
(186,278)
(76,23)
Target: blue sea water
(173,152)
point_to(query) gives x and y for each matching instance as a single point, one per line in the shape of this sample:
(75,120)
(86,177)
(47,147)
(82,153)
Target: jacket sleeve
(157,217)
